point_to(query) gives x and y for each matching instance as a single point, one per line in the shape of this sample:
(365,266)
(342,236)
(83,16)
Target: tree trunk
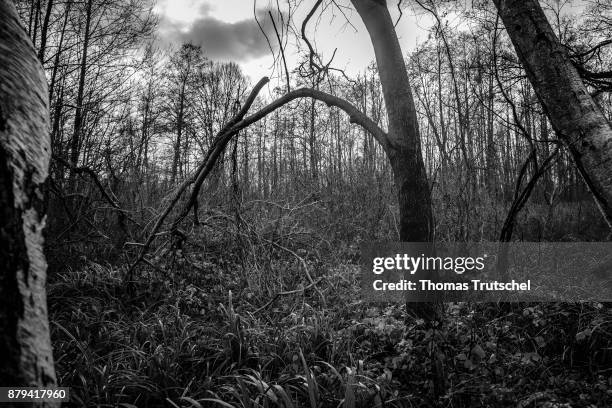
(491,155)
(78,116)
(404,151)
(575,117)
(416,218)
(24,161)
(312,141)
(44,31)
(179,132)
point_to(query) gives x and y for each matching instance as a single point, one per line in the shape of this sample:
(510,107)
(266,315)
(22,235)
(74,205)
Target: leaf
(283,395)
(313,390)
(193,402)
(349,396)
(582,335)
(529,358)
(216,401)
(478,352)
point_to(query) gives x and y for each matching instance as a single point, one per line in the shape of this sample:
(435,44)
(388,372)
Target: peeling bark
(24,160)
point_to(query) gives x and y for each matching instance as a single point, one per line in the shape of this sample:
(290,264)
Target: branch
(196,177)
(261,28)
(463,126)
(591,50)
(91,174)
(236,125)
(521,197)
(229,131)
(517,121)
(312,53)
(399,8)
(355,115)
(290,292)
(282,50)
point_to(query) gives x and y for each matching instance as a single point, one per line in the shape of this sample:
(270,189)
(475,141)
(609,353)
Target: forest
(203,226)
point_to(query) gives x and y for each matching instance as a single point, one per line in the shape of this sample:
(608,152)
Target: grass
(205,327)
(202,339)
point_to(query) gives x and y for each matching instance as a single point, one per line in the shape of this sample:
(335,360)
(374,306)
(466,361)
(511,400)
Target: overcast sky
(227,30)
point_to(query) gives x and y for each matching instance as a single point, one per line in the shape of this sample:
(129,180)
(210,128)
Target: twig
(91,174)
(282,51)
(291,292)
(302,261)
(399,8)
(312,53)
(197,177)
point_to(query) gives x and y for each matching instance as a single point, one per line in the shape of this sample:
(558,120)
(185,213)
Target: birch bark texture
(25,344)
(577,120)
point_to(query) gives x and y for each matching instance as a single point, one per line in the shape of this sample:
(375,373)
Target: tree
(401,143)
(78,117)
(577,120)
(85,46)
(217,87)
(24,160)
(183,65)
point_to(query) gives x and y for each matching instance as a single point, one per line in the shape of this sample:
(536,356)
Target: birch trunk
(575,117)
(24,159)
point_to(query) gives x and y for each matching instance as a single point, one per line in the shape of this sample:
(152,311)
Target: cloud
(239,41)
(206,8)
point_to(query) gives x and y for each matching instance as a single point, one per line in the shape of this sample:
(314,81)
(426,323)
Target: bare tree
(401,142)
(78,117)
(24,160)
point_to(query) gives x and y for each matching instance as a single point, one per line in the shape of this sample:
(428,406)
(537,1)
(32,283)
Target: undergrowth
(263,310)
(206,337)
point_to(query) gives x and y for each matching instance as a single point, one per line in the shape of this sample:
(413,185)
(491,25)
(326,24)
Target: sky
(228,31)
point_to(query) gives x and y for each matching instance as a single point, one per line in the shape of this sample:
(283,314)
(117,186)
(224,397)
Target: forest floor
(213,334)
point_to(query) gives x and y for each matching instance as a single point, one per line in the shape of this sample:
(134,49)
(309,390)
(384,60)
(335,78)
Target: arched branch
(240,122)
(355,115)
(223,138)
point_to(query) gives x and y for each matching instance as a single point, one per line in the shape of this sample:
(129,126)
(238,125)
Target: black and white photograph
(306,203)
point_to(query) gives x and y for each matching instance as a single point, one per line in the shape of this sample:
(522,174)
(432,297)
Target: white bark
(24,161)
